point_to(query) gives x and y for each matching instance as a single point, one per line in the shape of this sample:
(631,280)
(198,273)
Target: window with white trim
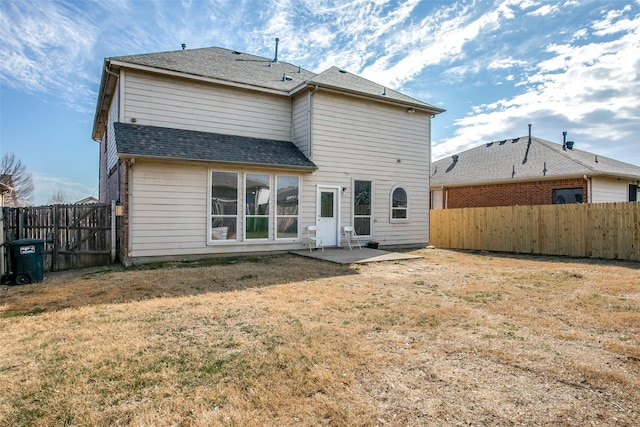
(257,197)
(362,207)
(255,218)
(399,205)
(224,205)
(287,206)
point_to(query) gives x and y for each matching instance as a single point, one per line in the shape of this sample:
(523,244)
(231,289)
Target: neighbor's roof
(235,68)
(515,159)
(138,141)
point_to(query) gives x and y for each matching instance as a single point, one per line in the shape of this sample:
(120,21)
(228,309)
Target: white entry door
(327,215)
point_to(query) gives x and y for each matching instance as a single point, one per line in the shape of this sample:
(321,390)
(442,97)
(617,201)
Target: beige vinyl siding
(183,104)
(300,122)
(353,138)
(114,115)
(168,212)
(606,190)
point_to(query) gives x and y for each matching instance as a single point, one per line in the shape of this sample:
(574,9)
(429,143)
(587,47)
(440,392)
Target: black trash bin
(27,260)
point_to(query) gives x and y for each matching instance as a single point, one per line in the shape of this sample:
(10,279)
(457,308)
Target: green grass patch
(32,312)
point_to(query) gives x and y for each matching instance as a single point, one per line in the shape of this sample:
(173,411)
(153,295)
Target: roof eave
(506,180)
(198,77)
(309,169)
(105,94)
(417,105)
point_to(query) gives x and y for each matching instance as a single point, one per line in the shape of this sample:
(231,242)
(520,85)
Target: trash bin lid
(27,242)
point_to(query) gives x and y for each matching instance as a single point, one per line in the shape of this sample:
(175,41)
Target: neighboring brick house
(213,151)
(529,171)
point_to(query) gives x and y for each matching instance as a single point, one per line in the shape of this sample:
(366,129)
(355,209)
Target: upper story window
(362,202)
(399,205)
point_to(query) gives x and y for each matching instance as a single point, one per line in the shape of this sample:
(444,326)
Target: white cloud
(436,40)
(544,10)
(594,87)
(43,46)
(582,33)
(501,64)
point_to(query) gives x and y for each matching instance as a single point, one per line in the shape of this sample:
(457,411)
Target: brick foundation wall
(522,193)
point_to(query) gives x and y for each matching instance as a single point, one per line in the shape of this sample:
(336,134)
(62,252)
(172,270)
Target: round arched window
(399,204)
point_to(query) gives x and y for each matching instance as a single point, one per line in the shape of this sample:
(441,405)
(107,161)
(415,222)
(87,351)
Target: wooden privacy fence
(75,236)
(602,230)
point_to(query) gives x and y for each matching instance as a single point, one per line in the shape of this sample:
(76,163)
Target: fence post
(20,224)
(2,222)
(55,238)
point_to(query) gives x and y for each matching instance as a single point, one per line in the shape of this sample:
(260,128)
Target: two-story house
(213,151)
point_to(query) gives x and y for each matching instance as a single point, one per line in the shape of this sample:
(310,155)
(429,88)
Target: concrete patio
(355,256)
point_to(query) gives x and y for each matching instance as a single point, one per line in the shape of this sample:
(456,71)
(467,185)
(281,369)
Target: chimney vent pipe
(275,59)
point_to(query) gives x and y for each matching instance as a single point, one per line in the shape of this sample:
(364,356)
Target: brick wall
(521,193)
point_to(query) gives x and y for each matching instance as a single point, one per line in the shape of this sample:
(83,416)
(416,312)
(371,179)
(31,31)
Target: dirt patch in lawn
(452,338)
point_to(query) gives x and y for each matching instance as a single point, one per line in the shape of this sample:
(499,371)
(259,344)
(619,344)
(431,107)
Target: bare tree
(14,173)
(59,198)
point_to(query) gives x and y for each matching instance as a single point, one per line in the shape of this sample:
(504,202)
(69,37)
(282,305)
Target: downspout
(127,208)
(589,195)
(310,104)
(111,72)
(446,197)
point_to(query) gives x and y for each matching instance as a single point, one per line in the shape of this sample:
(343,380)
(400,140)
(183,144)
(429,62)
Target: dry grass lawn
(452,338)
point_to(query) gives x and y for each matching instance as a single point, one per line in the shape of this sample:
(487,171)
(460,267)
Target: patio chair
(313,240)
(351,237)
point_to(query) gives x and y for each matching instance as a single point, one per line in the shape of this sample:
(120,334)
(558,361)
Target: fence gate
(75,236)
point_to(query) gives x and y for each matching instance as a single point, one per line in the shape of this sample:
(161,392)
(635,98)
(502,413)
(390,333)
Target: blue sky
(495,66)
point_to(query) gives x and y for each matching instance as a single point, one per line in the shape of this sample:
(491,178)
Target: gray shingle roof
(167,143)
(496,162)
(237,67)
(224,64)
(339,79)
